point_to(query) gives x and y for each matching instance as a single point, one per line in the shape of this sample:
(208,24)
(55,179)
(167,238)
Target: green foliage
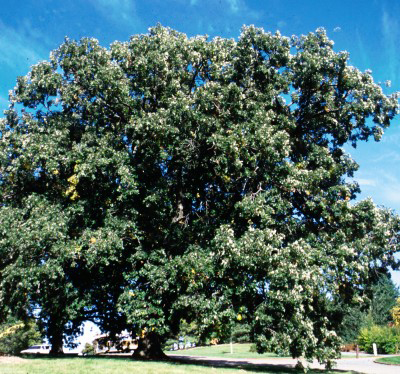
(171,177)
(188,331)
(88,350)
(387,339)
(16,336)
(253,348)
(395,312)
(384,295)
(353,320)
(241,333)
(169,344)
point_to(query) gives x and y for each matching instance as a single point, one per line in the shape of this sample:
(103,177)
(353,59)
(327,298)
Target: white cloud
(366,182)
(387,176)
(281,24)
(240,9)
(391,36)
(234,5)
(391,138)
(21,47)
(362,50)
(387,192)
(3,102)
(337,29)
(391,156)
(382,184)
(121,12)
(392,196)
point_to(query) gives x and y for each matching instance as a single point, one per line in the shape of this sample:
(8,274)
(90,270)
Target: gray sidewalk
(356,365)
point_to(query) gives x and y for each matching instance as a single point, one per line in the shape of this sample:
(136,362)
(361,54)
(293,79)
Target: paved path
(355,365)
(367,365)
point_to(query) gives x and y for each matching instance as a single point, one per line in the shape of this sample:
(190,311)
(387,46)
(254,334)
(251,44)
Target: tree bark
(56,340)
(149,348)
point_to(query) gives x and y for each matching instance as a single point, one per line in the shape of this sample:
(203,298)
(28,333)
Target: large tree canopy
(171,178)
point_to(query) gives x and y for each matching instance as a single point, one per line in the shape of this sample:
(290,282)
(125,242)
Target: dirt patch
(10,359)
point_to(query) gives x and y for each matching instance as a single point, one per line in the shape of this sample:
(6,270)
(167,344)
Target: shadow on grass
(249,366)
(203,362)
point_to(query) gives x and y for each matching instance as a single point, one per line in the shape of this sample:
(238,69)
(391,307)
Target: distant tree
(241,333)
(353,319)
(170,178)
(384,295)
(17,335)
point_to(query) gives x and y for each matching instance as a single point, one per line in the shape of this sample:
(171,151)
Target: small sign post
(375,349)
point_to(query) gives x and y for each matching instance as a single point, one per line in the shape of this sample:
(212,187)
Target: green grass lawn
(239,351)
(118,365)
(223,351)
(390,360)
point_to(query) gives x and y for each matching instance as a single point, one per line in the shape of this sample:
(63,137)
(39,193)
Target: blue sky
(368,29)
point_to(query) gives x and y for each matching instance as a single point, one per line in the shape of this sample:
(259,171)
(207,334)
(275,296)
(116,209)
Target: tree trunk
(56,341)
(149,348)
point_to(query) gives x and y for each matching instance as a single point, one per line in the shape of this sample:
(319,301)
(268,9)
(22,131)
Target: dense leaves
(387,339)
(382,296)
(395,312)
(17,335)
(169,178)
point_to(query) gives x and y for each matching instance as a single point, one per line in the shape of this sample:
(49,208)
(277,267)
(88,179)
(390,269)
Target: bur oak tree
(170,178)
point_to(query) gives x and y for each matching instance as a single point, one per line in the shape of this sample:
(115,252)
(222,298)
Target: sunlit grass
(390,360)
(223,351)
(117,365)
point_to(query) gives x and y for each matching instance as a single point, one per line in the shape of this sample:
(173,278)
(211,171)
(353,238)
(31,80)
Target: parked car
(38,349)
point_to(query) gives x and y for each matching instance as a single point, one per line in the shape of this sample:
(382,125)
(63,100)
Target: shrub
(16,336)
(387,339)
(88,350)
(241,334)
(169,344)
(253,348)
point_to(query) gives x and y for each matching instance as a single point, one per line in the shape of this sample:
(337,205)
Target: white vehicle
(38,349)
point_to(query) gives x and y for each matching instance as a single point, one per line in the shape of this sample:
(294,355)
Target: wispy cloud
(391,36)
(391,156)
(392,138)
(362,51)
(281,24)
(121,12)
(237,8)
(234,5)
(3,104)
(366,182)
(392,195)
(21,47)
(383,186)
